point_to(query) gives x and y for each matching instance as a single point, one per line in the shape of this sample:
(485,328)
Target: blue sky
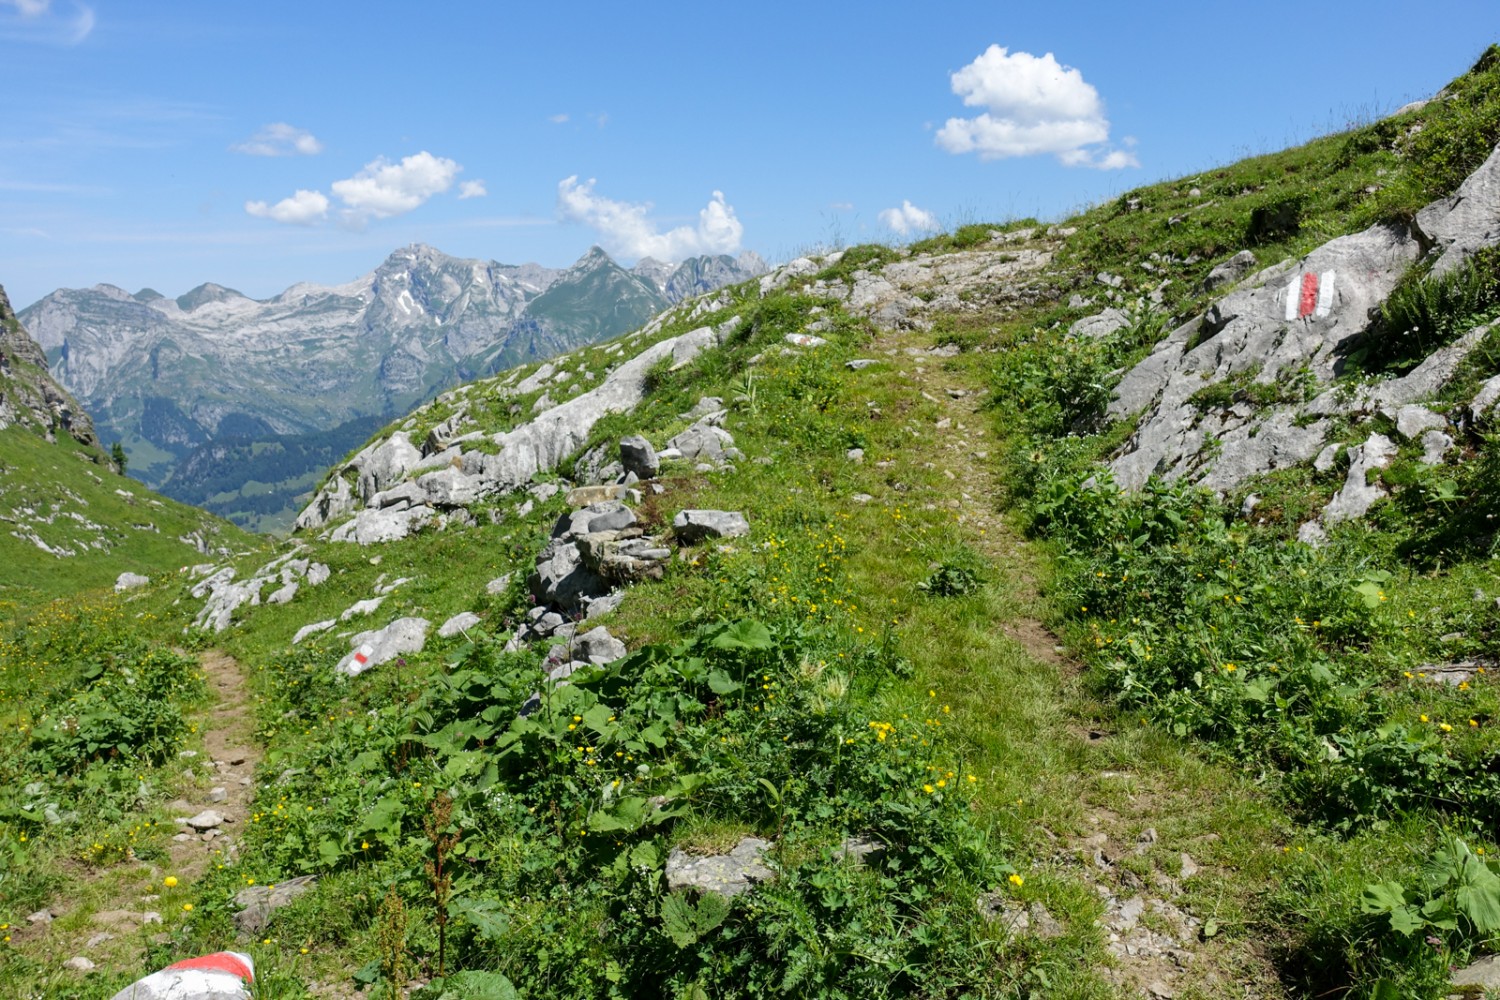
(134,137)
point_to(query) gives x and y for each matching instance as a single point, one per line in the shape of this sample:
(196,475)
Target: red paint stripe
(1309,300)
(360,657)
(219,961)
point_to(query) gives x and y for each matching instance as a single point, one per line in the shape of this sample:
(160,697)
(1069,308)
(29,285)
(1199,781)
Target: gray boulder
(458,623)
(1100,325)
(371,649)
(694,526)
(726,874)
(637,456)
(130,581)
(332,502)
(614,520)
(1435,445)
(702,442)
(1413,420)
(385,463)
(626,556)
(1231,271)
(372,527)
(258,902)
(561,579)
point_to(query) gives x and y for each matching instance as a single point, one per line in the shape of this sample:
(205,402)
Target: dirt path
(229,758)
(1128,850)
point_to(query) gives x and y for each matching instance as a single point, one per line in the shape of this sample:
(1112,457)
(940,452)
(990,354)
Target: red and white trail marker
(224,975)
(1309,294)
(362,657)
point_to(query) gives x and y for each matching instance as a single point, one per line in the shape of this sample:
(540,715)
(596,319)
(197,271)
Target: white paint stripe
(1325,294)
(1293,297)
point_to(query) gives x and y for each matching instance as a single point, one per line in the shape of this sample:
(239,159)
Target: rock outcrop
(1245,389)
(29,396)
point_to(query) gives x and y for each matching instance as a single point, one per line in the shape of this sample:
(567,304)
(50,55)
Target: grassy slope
(140,531)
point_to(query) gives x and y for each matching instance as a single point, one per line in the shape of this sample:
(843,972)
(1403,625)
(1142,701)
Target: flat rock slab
(208,819)
(693,526)
(726,874)
(1485,972)
(258,902)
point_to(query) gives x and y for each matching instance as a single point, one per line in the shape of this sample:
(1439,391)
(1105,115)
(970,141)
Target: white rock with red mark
(224,975)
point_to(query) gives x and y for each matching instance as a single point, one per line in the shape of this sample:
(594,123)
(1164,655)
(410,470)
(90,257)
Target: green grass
(109,533)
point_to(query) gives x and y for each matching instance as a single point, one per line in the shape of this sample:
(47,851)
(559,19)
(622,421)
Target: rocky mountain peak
(594,258)
(29,396)
(204,294)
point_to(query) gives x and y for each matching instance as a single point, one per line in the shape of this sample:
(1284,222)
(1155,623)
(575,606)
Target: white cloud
(558,119)
(1032,106)
(55,29)
(301,209)
(908,219)
(280,139)
(471,189)
(625,231)
(383,189)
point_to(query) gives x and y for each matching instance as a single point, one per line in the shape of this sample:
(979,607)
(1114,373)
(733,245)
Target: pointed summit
(596,257)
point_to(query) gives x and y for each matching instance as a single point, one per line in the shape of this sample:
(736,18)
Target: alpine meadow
(1096,606)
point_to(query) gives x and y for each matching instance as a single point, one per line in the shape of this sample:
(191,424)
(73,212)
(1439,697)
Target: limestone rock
(373,526)
(129,581)
(1412,420)
(1467,220)
(637,456)
(457,624)
(315,627)
(702,442)
(1101,325)
(258,902)
(726,874)
(283,594)
(1435,445)
(1018,919)
(79,964)
(1484,972)
(208,819)
(1231,271)
(1357,494)
(359,608)
(370,649)
(694,526)
(587,496)
(1252,337)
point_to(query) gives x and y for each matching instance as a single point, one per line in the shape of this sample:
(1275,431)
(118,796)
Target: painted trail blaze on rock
(1309,294)
(220,976)
(362,656)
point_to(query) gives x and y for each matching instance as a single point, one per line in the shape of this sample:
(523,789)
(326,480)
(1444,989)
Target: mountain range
(68,519)
(236,404)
